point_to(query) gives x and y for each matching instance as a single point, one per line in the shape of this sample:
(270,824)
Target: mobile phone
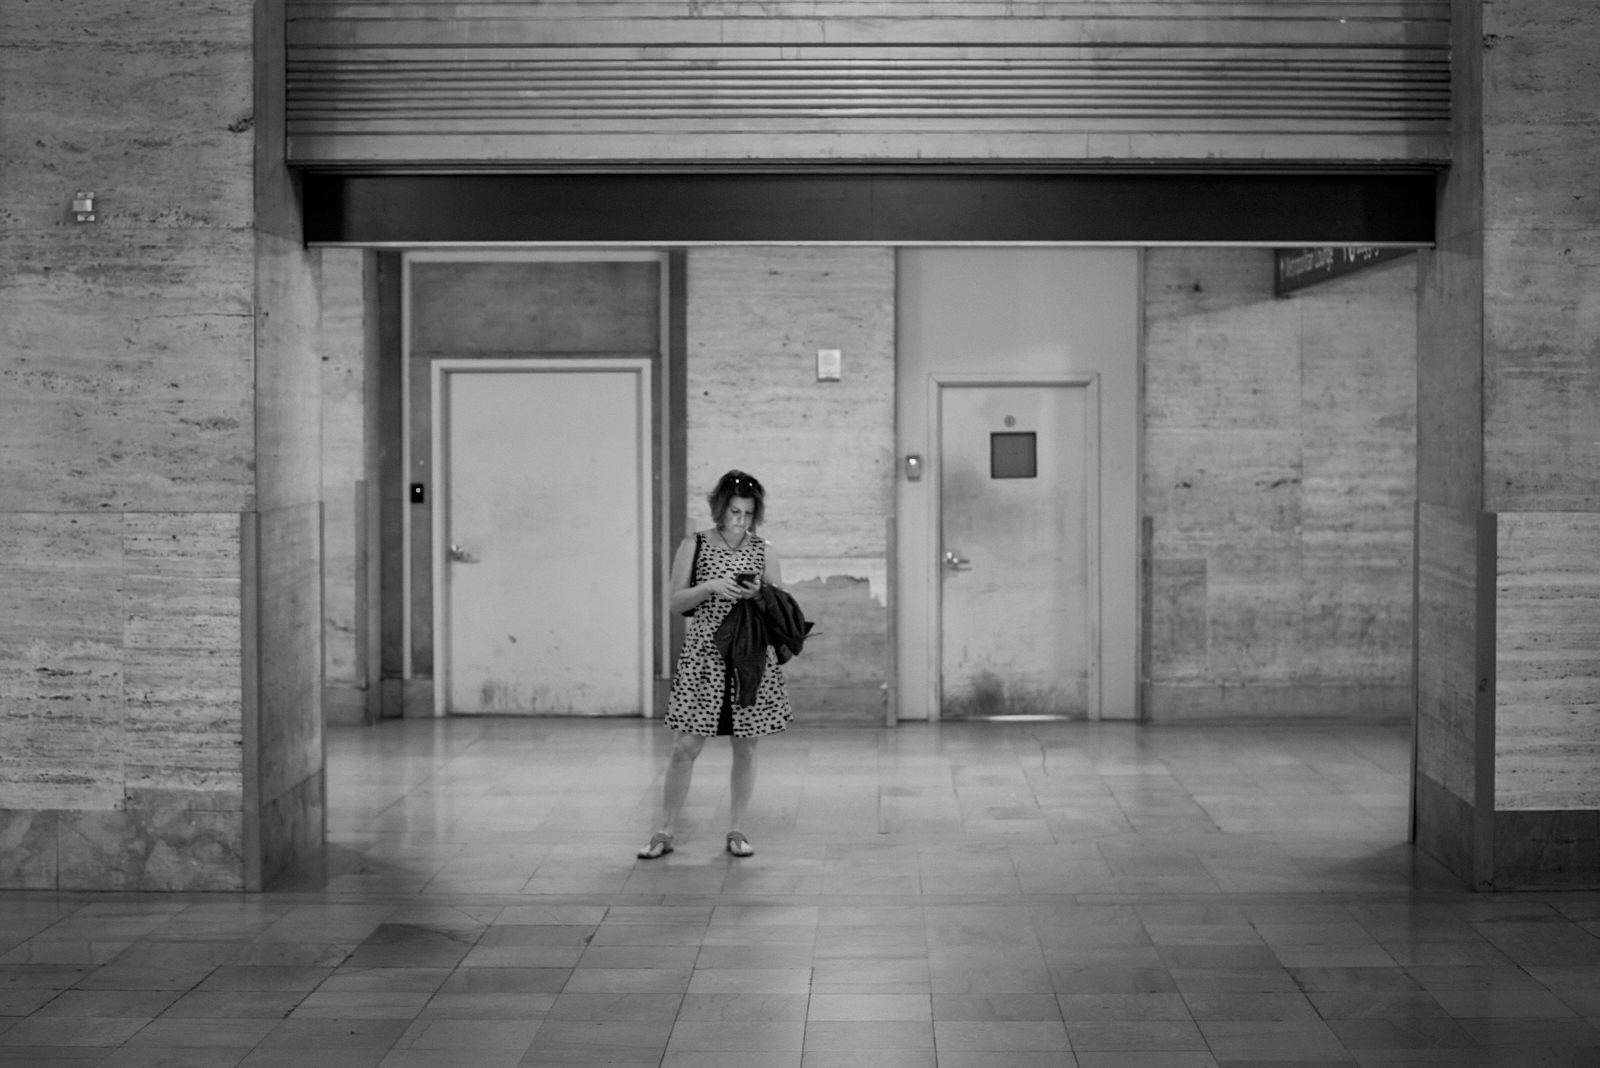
(745,578)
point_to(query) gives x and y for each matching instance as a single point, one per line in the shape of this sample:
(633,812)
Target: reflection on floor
(965,896)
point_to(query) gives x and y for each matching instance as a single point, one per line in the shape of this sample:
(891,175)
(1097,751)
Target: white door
(1018,594)
(542,531)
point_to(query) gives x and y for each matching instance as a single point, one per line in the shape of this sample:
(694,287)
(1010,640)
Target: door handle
(458,555)
(954,561)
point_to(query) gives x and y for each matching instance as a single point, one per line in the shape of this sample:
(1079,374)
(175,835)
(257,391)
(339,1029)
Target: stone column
(1508,572)
(154,573)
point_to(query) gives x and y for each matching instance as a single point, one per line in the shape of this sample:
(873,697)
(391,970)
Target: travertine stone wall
(342,341)
(284,790)
(1541,256)
(1547,662)
(131,444)
(1541,434)
(126,442)
(823,450)
(1509,456)
(1278,478)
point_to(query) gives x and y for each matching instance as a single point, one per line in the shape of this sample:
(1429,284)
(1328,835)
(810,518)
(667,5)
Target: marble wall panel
(1178,637)
(150,846)
(293,826)
(181,649)
(289,648)
(127,374)
(1547,695)
(27,849)
(823,450)
(841,675)
(60,661)
(1221,353)
(1447,651)
(288,378)
(341,342)
(1541,403)
(1557,849)
(1540,132)
(1279,463)
(147,105)
(1450,373)
(533,308)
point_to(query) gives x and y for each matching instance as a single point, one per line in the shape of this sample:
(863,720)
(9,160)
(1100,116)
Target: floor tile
(628,980)
(54,1056)
(723,1059)
(487,1034)
(1146,1059)
(254,977)
(877,1058)
(736,1036)
(978,1036)
(868,1035)
(1493,1003)
(450,1058)
(870,1007)
(750,981)
(1114,1008)
(71,1031)
(1135,1035)
(141,1003)
(231,1032)
(353,979)
(940,896)
(175,1057)
(334,1034)
(617,1007)
(361,1005)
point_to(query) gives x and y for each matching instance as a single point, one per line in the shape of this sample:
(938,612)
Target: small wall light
(829,365)
(83,207)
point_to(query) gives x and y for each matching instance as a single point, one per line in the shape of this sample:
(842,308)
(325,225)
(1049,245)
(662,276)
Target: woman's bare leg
(680,770)
(742,782)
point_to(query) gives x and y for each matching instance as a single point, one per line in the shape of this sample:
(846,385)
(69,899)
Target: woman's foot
(660,845)
(739,845)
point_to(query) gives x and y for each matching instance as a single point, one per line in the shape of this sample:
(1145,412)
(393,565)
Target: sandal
(660,845)
(739,845)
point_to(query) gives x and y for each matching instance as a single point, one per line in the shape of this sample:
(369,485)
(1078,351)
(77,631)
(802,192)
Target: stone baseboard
(1547,849)
(860,705)
(344,706)
(1168,702)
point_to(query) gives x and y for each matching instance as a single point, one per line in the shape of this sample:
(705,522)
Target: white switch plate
(829,364)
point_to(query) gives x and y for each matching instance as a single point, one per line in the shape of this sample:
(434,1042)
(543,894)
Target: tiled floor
(965,896)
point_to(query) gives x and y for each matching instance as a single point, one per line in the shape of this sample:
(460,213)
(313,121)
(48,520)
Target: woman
(712,571)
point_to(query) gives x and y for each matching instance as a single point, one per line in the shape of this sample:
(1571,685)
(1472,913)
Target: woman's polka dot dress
(701,680)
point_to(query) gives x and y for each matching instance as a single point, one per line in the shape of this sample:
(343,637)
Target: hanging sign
(1296,268)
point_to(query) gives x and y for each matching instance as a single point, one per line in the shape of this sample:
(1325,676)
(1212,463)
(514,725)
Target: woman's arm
(684,596)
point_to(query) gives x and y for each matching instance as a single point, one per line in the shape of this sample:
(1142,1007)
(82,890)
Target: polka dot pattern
(697,688)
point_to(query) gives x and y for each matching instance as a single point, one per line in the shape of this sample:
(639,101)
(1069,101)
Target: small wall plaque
(830,364)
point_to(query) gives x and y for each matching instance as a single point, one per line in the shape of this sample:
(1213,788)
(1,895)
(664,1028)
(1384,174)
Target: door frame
(440,370)
(667,509)
(1090,382)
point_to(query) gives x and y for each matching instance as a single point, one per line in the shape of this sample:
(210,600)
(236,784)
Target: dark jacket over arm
(771,619)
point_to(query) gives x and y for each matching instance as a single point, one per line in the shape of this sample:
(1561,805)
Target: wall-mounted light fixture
(83,207)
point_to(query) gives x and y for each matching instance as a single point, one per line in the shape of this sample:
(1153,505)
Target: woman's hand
(725,588)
